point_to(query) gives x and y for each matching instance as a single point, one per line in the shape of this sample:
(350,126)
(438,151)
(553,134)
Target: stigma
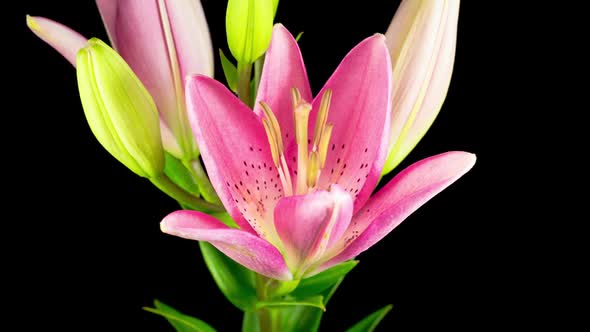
(311,154)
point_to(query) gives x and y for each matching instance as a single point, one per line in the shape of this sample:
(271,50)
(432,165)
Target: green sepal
(230,71)
(320,282)
(179,174)
(299,36)
(180,321)
(225,218)
(314,301)
(236,282)
(277,288)
(248,24)
(369,323)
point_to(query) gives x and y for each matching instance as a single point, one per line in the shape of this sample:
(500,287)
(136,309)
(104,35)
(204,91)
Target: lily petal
(236,154)
(309,224)
(421,38)
(283,70)
(403,195)
(163,41)
(243,247)
(63,39)
(360,111)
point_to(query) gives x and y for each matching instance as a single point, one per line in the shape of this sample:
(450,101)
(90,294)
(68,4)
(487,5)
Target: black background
(87,251)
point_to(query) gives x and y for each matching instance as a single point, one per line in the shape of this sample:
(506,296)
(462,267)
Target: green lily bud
(120,111)
(249,26)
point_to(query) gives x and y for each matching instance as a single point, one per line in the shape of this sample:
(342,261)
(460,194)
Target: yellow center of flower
(309,162)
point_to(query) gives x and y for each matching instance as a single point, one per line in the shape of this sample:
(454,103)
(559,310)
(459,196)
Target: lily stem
(200,177)
(268,318)
(244,74)
(258,65)
(164,183)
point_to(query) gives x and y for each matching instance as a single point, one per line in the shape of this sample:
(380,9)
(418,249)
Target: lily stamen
(273,133)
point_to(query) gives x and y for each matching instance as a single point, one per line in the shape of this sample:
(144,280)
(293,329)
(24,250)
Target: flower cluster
(286,185)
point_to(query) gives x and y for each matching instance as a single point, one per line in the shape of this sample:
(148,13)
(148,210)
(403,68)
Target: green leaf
(230,71)
(306,318)
(369,323)
(324,280)
(236,282)
(180,321)
(314,301)
(298,36)
(248,24)
(179,174)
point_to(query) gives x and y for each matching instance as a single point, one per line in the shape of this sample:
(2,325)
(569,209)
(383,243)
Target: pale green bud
(249,26)
(120,111)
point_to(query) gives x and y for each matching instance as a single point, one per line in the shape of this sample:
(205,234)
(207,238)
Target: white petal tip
(465,159)
(163,227)
(380,36)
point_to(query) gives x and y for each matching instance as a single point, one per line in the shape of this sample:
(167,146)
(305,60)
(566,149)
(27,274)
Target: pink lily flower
(162,41)
(297,176)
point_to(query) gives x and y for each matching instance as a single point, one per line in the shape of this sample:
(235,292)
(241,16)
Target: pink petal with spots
(360,110)
(236,154)
(403,195)
(243,247)
(283,70)
(309,224)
